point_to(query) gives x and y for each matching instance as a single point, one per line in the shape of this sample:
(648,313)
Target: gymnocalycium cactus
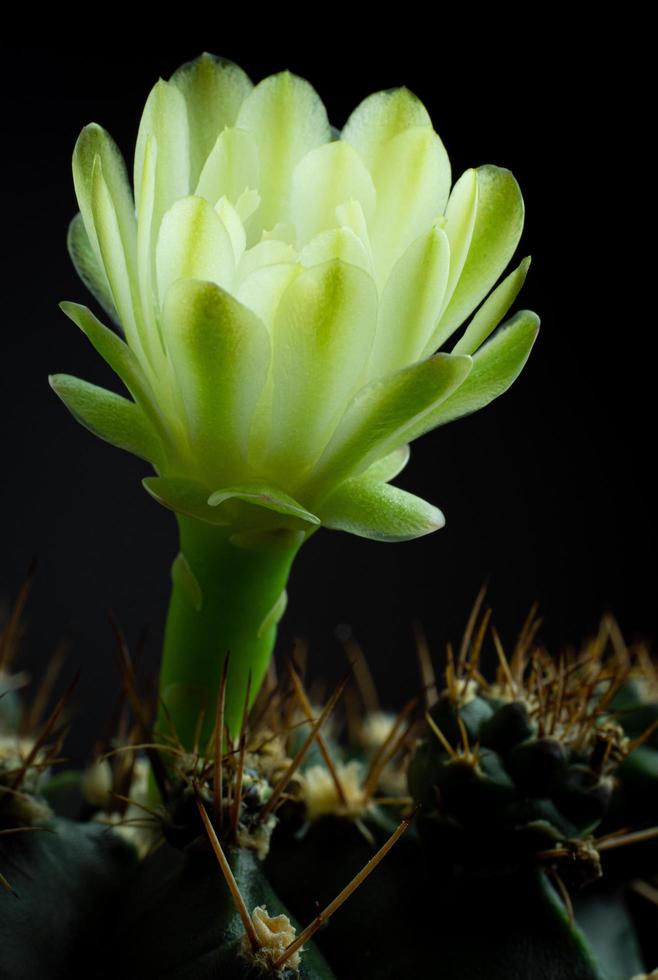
(285,293)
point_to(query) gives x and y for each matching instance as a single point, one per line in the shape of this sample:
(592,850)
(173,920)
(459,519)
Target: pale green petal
(262,290)
(231,168)
(380,512)
(164,125)
(495,367)
(186,497)
(336,243)
(325,178)
(388,467)
(145,244)
(234,228)
(411,304)
(220,352)
(116,259)
(214,90)
(193,244)
(381,117)
(283,231)
(350,215)
(496,233)
(382,415)
(492,311)
(89,267)
(109,416)
(247,204)
(287,119)
(271,498)
(94,142)
(412,184)
(322,337)
(459,223)
(268,252)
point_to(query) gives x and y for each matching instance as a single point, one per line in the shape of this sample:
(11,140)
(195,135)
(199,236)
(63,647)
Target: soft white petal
(381,117)
(322,336)
(214,90)
(287,119)
(325,178)
(411,303)
(336,243)
(220,352)
(496,233)
(231,167)
(412,183)
(193,244)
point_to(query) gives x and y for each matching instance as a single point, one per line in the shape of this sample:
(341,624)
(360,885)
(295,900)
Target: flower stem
(226,598)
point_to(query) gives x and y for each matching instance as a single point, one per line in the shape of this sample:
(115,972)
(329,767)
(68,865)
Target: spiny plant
(298,811)
(286,294)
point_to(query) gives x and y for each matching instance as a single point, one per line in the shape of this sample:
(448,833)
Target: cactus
(286,292)
(492,856)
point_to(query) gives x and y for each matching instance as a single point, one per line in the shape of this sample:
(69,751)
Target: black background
(548,493)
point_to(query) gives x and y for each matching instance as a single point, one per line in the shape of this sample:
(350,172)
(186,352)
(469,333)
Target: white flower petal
(325,178)
(496,233)
(287,119)
(322,336)
(220,351)
(165,119)
(411,303)
(214,90)
(231,167)
(193,244)
(412,183)
(336,243)
(232,222)
(381,117)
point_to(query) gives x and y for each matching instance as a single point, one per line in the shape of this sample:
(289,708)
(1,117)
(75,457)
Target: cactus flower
(289,297)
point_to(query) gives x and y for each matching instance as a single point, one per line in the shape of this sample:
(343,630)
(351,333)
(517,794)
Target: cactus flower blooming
(286,294)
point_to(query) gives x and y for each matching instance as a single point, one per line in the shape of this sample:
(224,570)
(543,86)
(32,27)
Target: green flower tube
(289,298)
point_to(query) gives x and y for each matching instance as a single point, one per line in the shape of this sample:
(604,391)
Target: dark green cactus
(520,784)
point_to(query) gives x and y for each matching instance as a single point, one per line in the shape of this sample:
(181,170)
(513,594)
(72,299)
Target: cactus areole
(288,300)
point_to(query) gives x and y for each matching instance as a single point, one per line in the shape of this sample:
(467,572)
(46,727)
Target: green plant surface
(409,920)
(70,882)
(603,915)
(179,922)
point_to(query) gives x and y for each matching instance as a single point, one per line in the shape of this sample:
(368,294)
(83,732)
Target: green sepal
(388,467)
(109,416)
(118,355)
(495,368)
(274,616)
(271,498)
(184,497)
(379,511)
(184,578)
(88,266)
